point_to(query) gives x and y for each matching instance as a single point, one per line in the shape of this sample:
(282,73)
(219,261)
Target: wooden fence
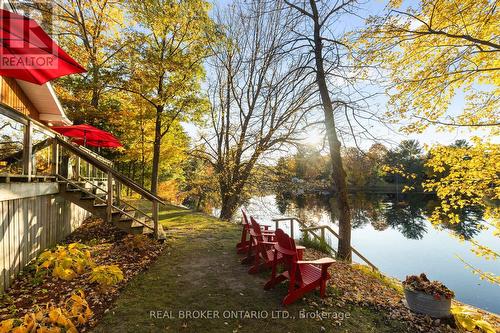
(30,225)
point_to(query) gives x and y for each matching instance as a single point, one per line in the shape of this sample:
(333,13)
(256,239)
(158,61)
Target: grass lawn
(200,270)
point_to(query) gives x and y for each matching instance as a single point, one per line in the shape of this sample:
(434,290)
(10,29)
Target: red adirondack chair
(303,276)
(244,244)
(262,248)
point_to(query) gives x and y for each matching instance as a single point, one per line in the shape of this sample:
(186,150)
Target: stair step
(88,197)
(131,223)
(127,209)
(75,185)
(119,213)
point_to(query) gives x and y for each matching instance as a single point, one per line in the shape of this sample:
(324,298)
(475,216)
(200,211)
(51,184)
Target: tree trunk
(132,176)
(143,158)
(95,81)
(338,173)
(129,190)
(228,208)
(198,203)
(156,151)
(230,200)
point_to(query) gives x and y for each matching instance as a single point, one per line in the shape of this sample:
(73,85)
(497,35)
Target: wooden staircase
(92,184)
(94,199)
(102,198)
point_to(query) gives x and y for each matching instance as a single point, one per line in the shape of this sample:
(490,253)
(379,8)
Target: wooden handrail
(313,228)
(138,210)
(99,157)
(87,155)
(322,238)
(323,227)
(103,167)
(353,249)
(84,190)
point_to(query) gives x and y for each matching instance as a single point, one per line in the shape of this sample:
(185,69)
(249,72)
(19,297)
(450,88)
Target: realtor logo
(25,43)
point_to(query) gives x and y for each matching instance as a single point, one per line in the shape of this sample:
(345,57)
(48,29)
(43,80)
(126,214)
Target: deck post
(28,151)
(88,170)
(55,158)
(323,234)
(118,187)
(109,208)
(155,219)
(291,228)
(78,165)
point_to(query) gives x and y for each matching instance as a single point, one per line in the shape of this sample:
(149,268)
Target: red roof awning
(29,54)
(88,135)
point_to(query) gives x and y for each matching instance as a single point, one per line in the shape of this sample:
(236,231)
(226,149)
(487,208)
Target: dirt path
(200,275)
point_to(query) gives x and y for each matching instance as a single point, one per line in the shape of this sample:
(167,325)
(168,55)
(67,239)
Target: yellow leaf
(485,326)
(6,325)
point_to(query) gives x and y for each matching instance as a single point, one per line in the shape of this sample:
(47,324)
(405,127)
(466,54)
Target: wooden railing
(97,167)
(321,237)
(116,179)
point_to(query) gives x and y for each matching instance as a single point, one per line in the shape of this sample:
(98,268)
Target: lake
(395,235)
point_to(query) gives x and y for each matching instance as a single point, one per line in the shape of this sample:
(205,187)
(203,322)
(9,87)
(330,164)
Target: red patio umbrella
(29,54)
(88,135)
(99,143)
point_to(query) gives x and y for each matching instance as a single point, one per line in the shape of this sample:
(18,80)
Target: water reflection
(407,213)
(395,233)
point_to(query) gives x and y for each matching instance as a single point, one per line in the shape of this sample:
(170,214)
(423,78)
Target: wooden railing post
(28,151)
(155,219)
(291,228)
(109,208)
(323,234)
(78,165)
(55,157)
(88,170)
(118,187)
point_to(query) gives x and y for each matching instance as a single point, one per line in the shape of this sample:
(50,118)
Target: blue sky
(388,136)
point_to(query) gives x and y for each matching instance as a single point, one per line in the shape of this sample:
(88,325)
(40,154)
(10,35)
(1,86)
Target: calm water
(395,235)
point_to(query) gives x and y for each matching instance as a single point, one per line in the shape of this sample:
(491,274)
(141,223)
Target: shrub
(314,243)
(74,312)
(423,284)
(106,275)
(65,262)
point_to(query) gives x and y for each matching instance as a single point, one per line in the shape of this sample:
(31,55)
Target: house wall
(13,96)
(31,220)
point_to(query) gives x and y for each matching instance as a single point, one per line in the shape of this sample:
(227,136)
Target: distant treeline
(379,169)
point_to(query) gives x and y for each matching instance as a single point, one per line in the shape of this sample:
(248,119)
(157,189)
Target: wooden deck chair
(261,248)
(303,276)
(244,244)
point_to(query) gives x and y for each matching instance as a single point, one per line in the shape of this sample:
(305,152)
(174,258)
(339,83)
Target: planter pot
(426,304)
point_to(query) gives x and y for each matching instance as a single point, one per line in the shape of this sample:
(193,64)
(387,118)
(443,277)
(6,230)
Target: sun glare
(314,138)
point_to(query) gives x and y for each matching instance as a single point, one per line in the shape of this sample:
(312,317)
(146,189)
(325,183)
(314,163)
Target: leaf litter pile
(107,246)
(358,285)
